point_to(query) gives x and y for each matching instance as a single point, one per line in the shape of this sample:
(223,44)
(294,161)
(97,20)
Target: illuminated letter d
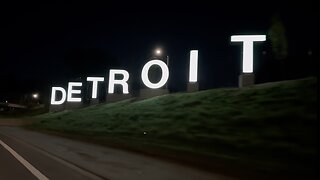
(53,95)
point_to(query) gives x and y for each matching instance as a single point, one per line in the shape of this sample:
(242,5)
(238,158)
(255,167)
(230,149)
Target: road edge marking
(24,162)
(81,170)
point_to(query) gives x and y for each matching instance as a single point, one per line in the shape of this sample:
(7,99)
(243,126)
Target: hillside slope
(270,126)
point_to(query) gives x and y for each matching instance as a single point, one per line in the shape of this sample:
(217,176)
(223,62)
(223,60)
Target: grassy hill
(270,128)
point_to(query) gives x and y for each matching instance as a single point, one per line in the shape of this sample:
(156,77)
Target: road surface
(31,155)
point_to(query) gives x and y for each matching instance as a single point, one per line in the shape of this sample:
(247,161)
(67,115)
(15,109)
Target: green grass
(270,127)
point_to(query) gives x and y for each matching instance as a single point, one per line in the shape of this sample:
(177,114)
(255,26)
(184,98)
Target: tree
(279,42)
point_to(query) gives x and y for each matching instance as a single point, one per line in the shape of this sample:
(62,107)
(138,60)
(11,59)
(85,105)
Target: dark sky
(48,44)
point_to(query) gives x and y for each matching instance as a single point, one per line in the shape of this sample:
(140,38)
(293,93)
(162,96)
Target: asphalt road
(20,160)
(51,157)
(11,168)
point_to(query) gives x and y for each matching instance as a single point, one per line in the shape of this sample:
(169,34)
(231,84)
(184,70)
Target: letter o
(164,78)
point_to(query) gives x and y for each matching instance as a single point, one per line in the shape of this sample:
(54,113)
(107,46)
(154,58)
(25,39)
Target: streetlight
(35,95)
(158,53)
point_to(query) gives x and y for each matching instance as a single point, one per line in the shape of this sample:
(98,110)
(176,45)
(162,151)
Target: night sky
(49,44)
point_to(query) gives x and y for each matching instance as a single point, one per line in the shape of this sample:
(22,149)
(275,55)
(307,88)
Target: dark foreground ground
(60,158)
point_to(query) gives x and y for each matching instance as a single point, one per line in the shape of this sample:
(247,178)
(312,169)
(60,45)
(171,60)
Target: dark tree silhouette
(279,43)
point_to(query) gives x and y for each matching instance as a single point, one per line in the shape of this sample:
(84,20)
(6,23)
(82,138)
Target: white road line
(24,162)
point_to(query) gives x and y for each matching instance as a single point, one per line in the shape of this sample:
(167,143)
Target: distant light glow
(95,81)
(164,78)
(73,91)
(123,81)
(193,72)
(53,96)
(6,101)
(247,62)
(158,51)
(35,95)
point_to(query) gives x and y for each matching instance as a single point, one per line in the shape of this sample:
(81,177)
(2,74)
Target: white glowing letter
(247,62)
(164,78)
(72,91)
(123,82)
(193,71)
(53,95)
(95,81)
